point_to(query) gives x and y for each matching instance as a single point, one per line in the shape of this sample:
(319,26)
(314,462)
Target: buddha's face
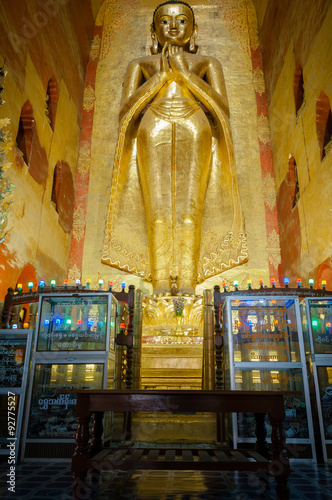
(174,24)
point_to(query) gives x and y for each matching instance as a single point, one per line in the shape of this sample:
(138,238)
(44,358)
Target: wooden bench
(95,457)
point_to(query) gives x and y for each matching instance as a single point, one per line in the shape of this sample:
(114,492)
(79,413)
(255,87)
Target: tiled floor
(47,480)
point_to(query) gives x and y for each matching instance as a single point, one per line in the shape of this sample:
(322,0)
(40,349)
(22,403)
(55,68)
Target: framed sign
(15,350)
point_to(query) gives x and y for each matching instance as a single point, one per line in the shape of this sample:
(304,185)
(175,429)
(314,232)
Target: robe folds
(130,242)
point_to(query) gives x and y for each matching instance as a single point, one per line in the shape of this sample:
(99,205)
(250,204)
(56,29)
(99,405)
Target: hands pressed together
(175,64)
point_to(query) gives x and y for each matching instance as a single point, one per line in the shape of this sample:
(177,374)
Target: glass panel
(305,329)
(52,413)
(321,325)
(265,330)
(73,323)
(325,389)
(295,424)
(4,423)
(12,358)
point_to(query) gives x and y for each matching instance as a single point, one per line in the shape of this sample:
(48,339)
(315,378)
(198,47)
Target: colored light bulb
(88,284)
(42,283)
(123,285)
(30,285)
(53,283)
(324,284)
(286,281)
(78,282)
(249,284)
(273,282)
(65,282)
(19,287)
(311,282)
(69,321)
(299,282)
(261,282)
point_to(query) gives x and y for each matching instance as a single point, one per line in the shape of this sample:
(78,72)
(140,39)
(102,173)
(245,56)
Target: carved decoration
(258,81)
(83,164)
(115,18)
(74,274)
(240,18)
(269,191)
(263,129)
(95,47)
(273,249)
(79,223)
(226,254)
(159,318)
(89,98)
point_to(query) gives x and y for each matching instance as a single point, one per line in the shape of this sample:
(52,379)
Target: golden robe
(175,208)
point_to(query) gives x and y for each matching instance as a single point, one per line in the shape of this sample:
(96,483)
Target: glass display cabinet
(316,317)
(15,350)
(74,349)
(264,350)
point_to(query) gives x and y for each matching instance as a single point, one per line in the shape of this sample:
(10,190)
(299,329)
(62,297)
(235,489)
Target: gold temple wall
(300,36)
(36,45)
(225,31)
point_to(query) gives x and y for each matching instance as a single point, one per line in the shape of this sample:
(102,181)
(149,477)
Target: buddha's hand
(165,68)
(178,61)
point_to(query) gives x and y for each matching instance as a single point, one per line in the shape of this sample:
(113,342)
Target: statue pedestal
(172,358)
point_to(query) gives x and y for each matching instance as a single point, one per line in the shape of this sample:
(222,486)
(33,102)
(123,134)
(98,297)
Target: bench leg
(280,463)
(97,432)
(79,464)
(260,431)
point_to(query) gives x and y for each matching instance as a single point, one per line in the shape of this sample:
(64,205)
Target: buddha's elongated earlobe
(192,46)
(154,48)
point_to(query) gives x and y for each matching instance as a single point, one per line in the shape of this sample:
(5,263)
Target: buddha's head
(173,22)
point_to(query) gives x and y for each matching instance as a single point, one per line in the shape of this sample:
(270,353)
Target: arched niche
(63,194)
(25,131)
(293,182)
(52,96)
(324,273)
(298,88)
(28,144)
(27,274)
(324,124)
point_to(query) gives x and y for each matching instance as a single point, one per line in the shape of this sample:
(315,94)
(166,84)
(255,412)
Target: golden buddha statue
(175,147)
